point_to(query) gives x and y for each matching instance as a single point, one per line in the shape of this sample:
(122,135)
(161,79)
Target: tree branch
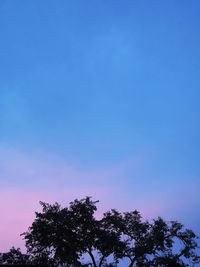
(92,257)
(101,261)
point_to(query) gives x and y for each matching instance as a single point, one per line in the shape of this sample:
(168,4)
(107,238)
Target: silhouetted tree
(62,236)
(173,244)
(51,238)
(14,257)
(65,234)
(153,244)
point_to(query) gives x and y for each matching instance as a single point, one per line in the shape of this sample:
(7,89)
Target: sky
(99,98)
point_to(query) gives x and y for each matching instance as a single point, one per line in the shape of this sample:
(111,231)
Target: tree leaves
(62,236)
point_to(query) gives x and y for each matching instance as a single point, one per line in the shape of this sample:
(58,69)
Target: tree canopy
(64,236)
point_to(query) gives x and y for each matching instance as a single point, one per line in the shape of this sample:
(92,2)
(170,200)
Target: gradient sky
(99,98)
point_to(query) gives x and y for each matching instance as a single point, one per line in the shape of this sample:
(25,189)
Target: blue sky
(101,98)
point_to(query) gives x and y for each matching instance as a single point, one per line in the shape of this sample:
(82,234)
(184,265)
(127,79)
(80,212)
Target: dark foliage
(63,236)
(14,257)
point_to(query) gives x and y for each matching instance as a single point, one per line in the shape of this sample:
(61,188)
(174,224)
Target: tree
(63,235)
(153,244)
(14,257)
(165,237)
(51,238)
